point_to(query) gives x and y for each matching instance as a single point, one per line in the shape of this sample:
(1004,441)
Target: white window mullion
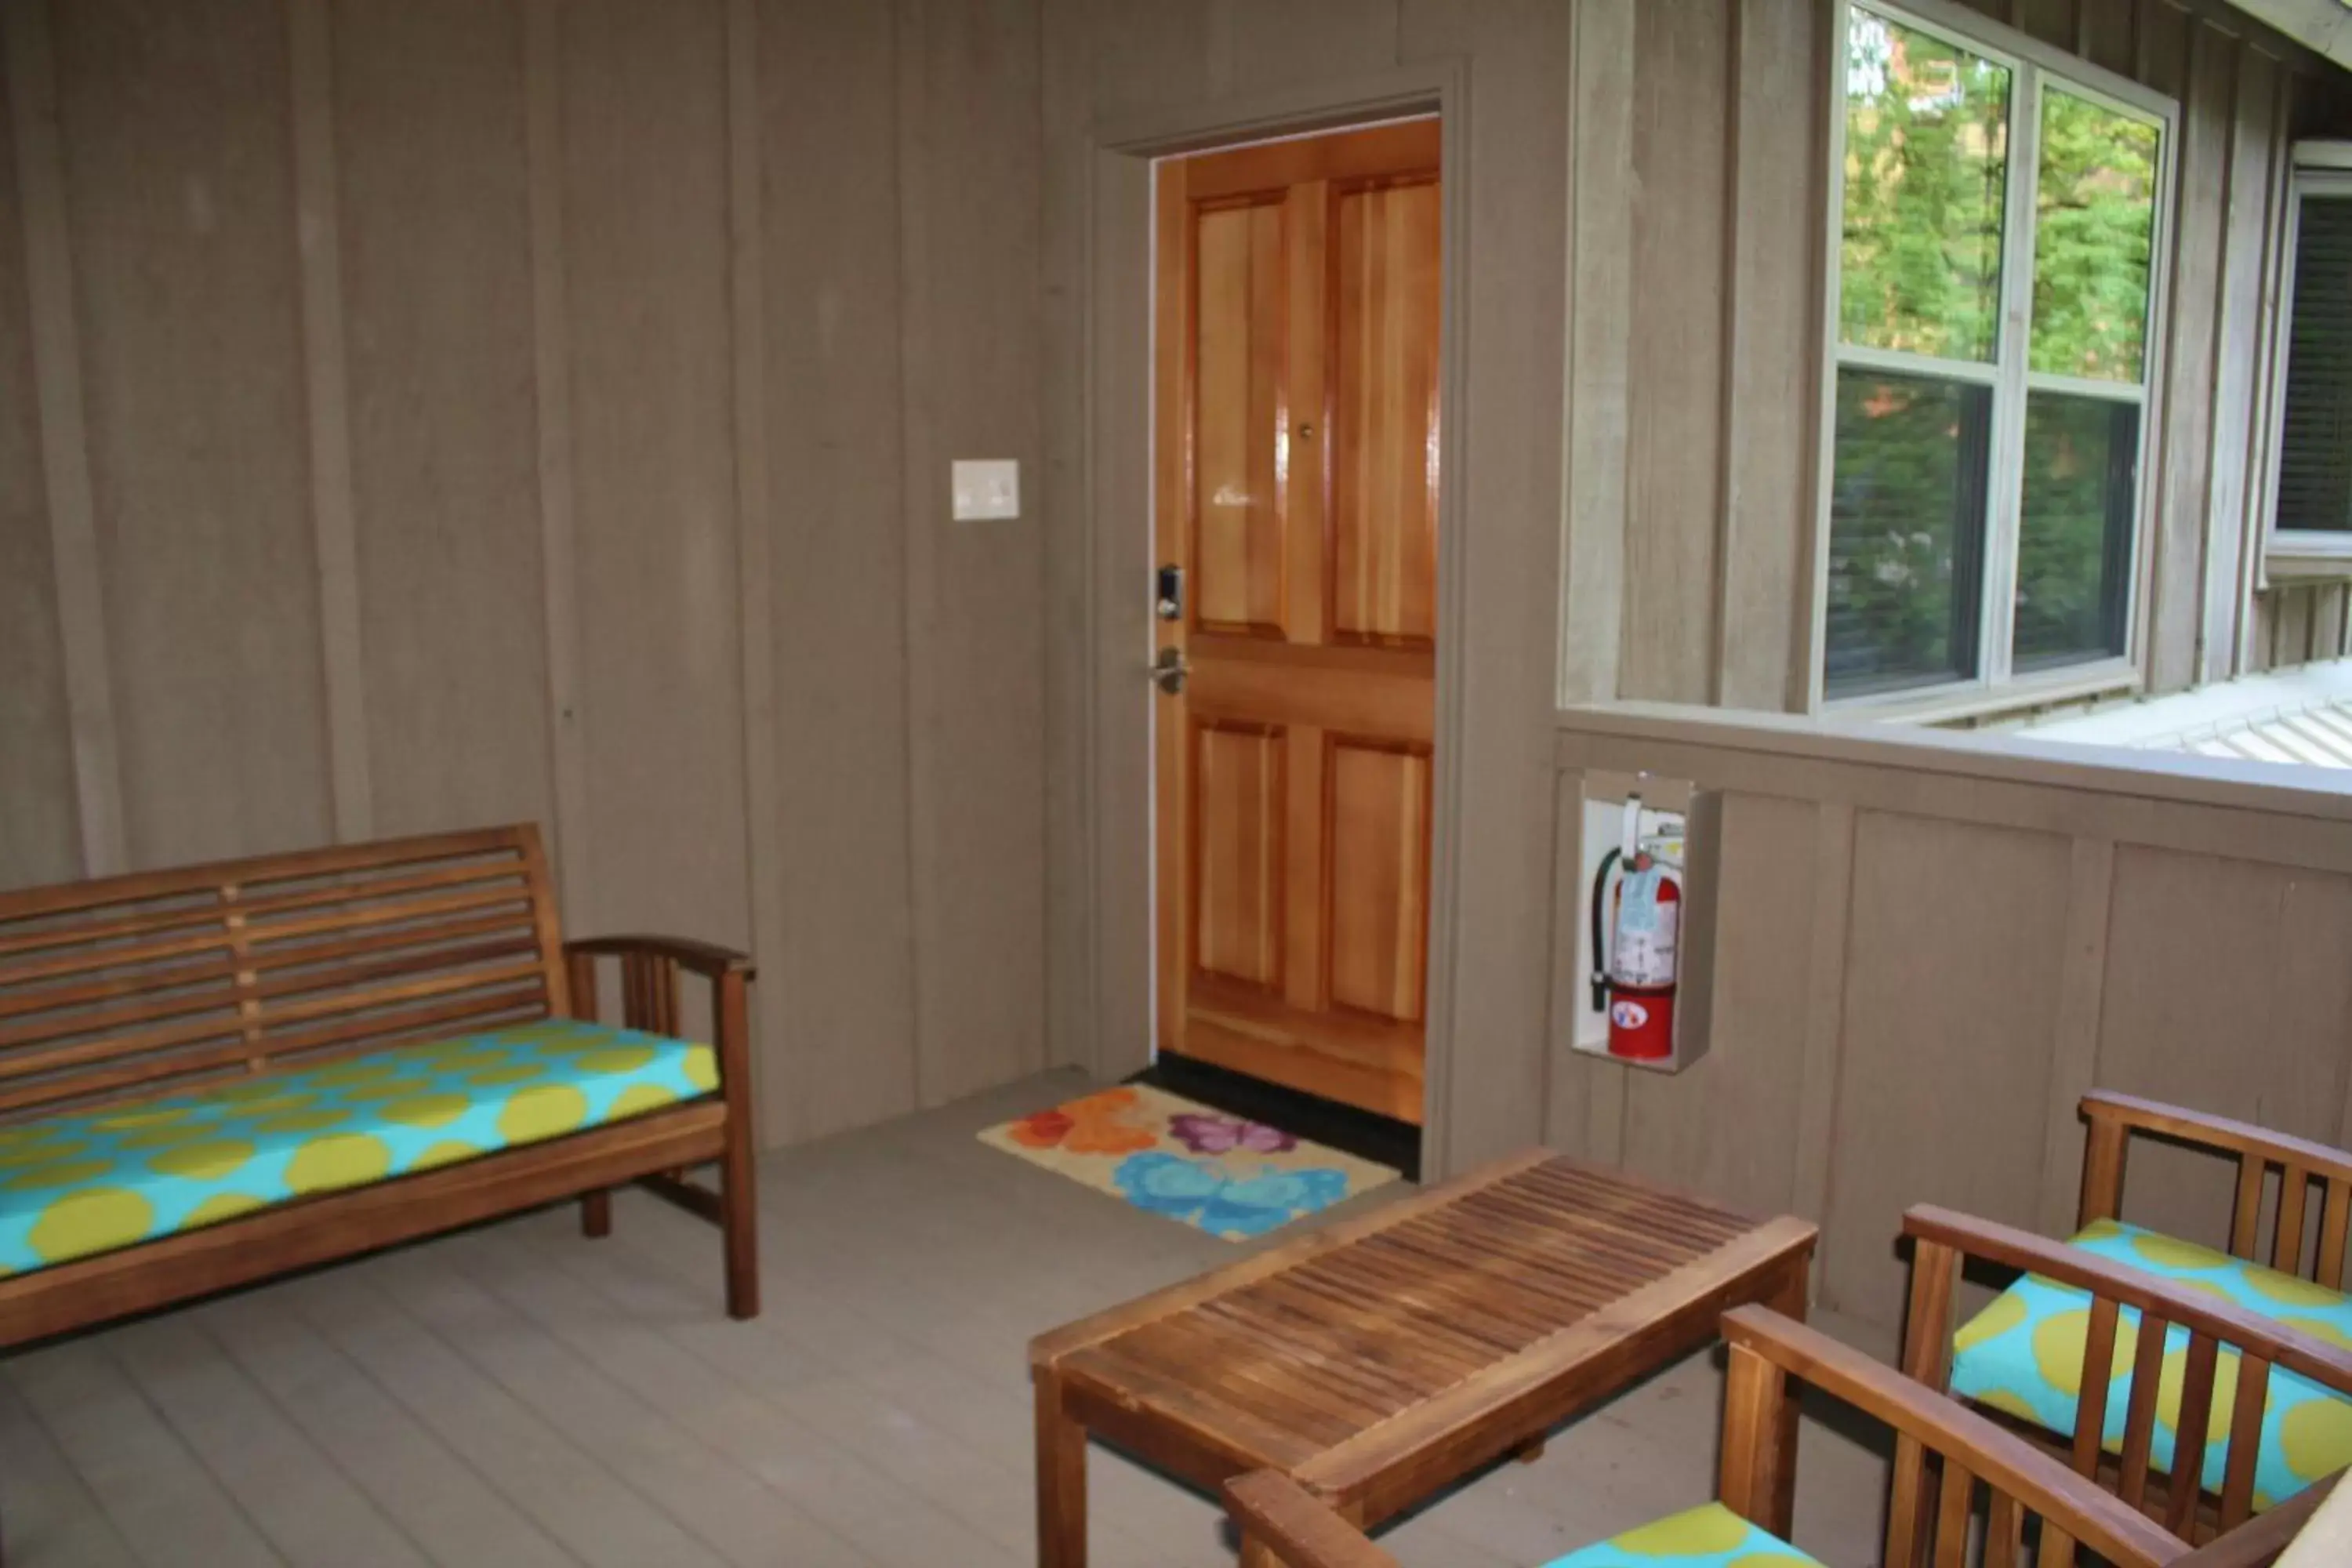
(2005,493)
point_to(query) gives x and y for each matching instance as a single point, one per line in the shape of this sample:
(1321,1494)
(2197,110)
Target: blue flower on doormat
(1223,1205)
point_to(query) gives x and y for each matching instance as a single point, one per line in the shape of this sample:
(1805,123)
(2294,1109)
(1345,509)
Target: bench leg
(596,1213)
(739,1224)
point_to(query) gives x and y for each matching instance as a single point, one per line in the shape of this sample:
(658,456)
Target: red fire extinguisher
(1633,972)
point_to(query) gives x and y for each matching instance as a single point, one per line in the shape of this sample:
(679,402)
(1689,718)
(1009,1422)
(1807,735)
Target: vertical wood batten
(1833,841)
(2245,220)
(747,277)
(1600,305)
(326,381)
(2175,613)
(2080,993)
(559,555)
(918,457)
(1779,159)
(31,64)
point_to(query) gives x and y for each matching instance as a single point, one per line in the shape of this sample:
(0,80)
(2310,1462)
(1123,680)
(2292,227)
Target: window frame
(2325,167)
(1998,684)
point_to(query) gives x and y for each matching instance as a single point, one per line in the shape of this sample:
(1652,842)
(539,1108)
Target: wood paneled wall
(426,413)
(1928,947)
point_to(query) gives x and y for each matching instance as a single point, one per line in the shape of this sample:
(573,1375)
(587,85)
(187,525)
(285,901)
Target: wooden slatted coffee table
(1381,1360)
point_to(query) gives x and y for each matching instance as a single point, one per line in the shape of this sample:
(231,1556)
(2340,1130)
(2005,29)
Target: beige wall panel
(968,162)
(2333,626)
(1681,92)
(2186,464)
(2163,51)
(40,839)
(2052,21)
(1952,990)
(1509,593)
(176,135)
(644,208)
(2219,995)
(436,288)
(2286,630)
(1772,380)
(1724,1125)
(843,998)
(1254,47)
(1142,54)
(2109,33)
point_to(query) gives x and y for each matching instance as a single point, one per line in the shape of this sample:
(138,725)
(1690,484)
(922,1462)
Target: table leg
(1256,1554)
(1061,1479)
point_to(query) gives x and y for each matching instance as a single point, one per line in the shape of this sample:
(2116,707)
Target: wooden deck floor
(520,1396)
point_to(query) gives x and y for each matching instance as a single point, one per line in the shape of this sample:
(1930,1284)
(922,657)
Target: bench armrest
(706,958)
(1302,1531)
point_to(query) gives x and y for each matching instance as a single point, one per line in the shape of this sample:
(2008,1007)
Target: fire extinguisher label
(1647,926)
(1628,1014)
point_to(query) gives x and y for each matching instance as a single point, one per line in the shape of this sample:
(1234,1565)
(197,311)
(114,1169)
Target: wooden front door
(1295,453)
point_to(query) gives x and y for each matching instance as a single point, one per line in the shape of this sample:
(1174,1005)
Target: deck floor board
(520,1395)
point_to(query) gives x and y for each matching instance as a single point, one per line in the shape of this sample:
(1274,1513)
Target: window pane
(2095,225)
(1927,138)
(2074,533)
(1906,530)
(2316,450)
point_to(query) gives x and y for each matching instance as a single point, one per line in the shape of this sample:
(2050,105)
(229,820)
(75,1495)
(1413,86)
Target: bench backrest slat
(141,985)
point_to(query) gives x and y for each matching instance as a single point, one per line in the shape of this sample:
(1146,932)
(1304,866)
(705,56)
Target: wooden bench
(139,997)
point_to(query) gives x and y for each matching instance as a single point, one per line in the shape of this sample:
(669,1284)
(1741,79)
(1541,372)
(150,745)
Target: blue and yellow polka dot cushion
(1708,1537)
(2023,1354)
(89,1182)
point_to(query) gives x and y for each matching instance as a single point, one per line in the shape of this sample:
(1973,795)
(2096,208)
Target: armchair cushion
(2023,1355)
(1708,1537)
(86,1181)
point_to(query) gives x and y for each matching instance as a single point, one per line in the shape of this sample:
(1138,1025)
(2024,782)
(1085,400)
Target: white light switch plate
(986,488)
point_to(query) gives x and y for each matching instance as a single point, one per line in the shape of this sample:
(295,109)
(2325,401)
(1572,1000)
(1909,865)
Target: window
(2312,511)
(1994,295)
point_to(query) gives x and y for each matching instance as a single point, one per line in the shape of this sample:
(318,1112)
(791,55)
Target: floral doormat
(1168,1154)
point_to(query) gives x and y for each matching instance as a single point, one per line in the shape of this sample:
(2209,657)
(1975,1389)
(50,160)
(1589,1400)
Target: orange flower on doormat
(1099,1124)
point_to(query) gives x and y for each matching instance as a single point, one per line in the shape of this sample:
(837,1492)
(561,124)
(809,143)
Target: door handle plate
(1170,671)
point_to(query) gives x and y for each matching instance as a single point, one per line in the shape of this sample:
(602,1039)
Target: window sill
(1976,700)
(2300,557)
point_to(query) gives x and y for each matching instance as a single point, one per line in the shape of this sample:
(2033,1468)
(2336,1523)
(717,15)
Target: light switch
(986,488)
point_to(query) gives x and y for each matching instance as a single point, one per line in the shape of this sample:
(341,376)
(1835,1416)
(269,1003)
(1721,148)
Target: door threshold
(1365,1134)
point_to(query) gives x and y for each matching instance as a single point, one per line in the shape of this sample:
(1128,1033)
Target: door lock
(1170,670)
(1168,602)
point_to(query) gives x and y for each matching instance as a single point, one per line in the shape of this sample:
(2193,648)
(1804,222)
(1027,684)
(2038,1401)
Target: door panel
(1380,893)
(1384,428)
(1238,805)
(1297,311)
(1239,358)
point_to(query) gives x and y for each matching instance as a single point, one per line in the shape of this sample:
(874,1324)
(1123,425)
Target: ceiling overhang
(2322,27)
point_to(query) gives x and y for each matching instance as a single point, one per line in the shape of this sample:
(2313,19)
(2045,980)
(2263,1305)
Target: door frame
(1114,491)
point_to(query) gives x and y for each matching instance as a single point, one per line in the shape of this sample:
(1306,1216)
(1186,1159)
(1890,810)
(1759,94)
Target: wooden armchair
(2301,1164)
(2181,1400)
(1944,1454)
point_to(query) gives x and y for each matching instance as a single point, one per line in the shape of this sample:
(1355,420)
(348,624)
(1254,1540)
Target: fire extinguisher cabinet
(1640,853)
